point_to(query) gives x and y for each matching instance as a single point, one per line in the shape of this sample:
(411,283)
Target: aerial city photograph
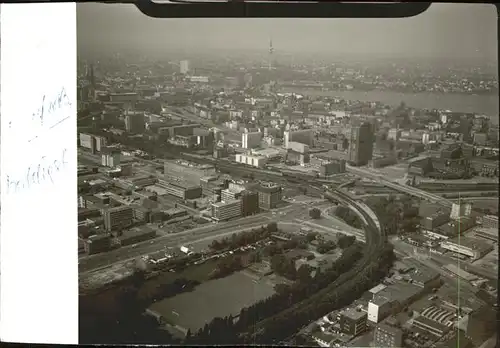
(298,182)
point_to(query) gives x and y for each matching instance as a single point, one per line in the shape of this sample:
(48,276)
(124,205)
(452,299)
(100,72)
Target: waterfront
(481,104)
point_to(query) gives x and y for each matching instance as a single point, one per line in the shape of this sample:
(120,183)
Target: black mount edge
(281,10)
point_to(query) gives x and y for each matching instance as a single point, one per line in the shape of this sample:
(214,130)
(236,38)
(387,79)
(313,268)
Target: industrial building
(254,161)
(298,147)
(181,189)
(118,217)
(136,235)
(379,308)
(222,211)
(433,327)
(470,247)
(460,210)
(232,193)
(387,336)
(486,233)
(304,136)
(353,321)
(438,218)
(97,243)
(110,157)
(331,168)
(251,140)
(187,171)
(490,221)
(269,195)
(135,122)
(92,142)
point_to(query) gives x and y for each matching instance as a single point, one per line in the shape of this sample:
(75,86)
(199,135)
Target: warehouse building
(470,247)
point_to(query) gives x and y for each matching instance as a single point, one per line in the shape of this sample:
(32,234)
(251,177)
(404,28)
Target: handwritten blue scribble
(36,174)
(49,107)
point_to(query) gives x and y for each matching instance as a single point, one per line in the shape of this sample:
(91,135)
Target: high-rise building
(111,157)
(184,66)
(361,145)
(118,217)
(303,136)
(135,122)
(251,140)
(249,203)
(222,211)
(269,195)
(459,210)
(466,128)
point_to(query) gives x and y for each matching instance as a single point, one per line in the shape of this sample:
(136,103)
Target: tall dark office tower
(361,145)
(466,128)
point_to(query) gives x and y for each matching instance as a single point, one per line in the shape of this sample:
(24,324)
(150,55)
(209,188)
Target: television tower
(271,51)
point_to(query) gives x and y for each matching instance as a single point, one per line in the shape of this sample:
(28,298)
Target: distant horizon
(459,32)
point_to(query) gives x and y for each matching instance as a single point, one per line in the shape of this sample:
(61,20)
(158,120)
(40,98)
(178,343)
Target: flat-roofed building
(136,235)
(353,321)
(254,161)
(118,217)
(486,233)
(490,221)
(187,171)
(387,336)
(251,140)
(433,327)
(135,122)
(269,195)
(222,211)
(304,136)
(97,243)
(181,190)
(379,308)
(471,247)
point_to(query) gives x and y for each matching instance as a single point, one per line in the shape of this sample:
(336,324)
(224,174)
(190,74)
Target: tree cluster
(395,215)
(347,215)
(289,295)
(344,241)
(315,213)
(331,297)
(283,266)
(227,266)
(326,246)
(218,331)
(244,238)
(117,317)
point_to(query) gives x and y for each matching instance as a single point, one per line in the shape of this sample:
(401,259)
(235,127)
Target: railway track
(374,241)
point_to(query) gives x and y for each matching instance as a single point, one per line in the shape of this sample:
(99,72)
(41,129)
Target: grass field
(215,298)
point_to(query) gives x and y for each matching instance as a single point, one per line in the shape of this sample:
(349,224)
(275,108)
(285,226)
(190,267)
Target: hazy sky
(444,31)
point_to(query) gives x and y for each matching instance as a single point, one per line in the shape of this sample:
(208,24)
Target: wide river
(481,104)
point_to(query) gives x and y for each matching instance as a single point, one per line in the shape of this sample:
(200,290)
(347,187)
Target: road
(363,172)
(196,235)
(122,254)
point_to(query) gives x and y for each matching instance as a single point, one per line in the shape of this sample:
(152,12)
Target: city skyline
(444,31)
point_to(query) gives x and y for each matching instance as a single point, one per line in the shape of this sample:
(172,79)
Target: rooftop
(354,313)
(377,288)
(387,328)
(470,242)
(431,323)
(400,291)
(222,204)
